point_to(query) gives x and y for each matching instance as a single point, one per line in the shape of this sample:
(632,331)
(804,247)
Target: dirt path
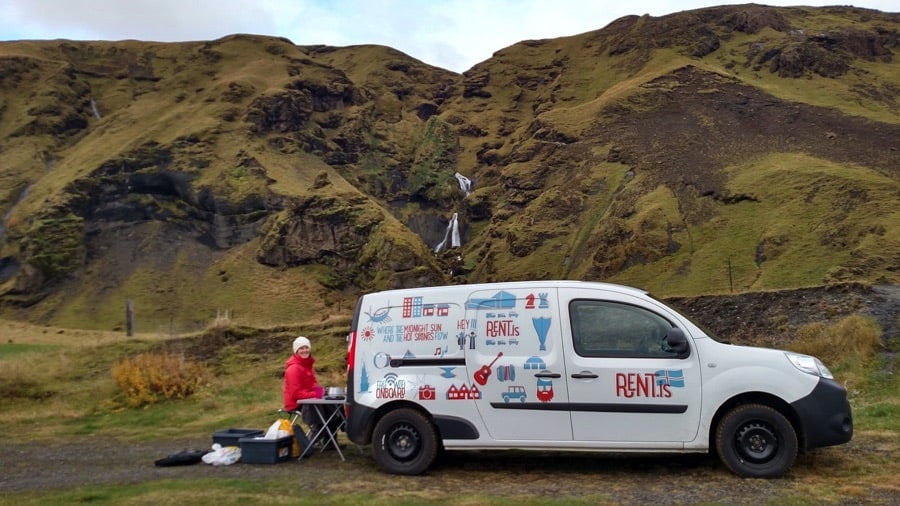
(624,479)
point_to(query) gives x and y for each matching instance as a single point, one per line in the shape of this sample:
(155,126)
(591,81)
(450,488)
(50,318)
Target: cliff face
(729,149)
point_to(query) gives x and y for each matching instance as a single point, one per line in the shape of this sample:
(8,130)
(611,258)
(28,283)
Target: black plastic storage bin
(265,451)
(231,437)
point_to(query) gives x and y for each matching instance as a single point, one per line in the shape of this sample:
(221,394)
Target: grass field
(57,385)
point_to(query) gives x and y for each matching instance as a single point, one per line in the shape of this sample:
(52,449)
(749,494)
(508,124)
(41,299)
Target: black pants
(311,418)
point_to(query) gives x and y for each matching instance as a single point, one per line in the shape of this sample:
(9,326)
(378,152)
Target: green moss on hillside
(55,244)
(732,148)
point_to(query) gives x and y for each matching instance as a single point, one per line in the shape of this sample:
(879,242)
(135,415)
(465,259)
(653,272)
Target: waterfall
(8,214)
(465,184)
(452,233)
(94,108)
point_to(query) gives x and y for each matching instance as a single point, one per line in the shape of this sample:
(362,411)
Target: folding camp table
(331,421)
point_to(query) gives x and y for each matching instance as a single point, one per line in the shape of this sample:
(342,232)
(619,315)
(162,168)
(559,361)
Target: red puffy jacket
(299,380)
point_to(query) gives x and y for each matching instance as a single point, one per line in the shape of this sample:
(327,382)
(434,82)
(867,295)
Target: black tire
(756,441)
(404,442)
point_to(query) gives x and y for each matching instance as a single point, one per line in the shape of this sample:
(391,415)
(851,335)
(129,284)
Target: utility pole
(129,318)
(730,276)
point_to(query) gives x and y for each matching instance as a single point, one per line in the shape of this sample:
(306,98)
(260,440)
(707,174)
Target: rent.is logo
(657,384)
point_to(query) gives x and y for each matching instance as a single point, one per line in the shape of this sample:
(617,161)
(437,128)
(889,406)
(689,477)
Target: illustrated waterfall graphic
(542,327)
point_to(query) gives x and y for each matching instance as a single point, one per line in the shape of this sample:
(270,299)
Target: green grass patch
(274,491)
(11,350)
(880,416)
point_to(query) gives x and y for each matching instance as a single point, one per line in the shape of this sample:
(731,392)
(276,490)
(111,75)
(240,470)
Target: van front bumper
(825,416)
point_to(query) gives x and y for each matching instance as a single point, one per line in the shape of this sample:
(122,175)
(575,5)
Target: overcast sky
(452,34)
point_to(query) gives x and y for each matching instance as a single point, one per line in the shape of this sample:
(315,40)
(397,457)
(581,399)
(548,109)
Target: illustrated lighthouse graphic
(364,380)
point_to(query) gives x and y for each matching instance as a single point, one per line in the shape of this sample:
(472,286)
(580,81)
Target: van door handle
(548,375)
(585,375)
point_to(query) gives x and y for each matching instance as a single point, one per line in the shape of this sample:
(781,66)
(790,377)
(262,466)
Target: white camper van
(574,366)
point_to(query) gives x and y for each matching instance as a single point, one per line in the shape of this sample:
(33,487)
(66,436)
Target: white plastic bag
(278,429)
(222,455)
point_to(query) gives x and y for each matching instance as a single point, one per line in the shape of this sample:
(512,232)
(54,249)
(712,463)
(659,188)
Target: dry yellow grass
(17,332)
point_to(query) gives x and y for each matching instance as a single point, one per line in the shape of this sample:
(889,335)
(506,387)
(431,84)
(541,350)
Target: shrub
(153,377)
(19,386)
(23,377)
(855,338)
(847,347)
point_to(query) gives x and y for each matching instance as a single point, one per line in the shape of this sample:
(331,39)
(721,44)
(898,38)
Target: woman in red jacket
(300,383)
(300,377)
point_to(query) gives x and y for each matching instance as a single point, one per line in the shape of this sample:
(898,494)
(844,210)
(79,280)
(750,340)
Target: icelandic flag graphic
(671,377)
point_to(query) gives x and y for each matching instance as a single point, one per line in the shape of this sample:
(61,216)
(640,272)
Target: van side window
(611,329)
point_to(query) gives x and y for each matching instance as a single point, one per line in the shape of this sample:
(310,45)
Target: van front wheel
(405,442)
(755,440)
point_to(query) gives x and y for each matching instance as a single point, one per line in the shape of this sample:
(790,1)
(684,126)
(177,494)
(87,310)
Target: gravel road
(684,479)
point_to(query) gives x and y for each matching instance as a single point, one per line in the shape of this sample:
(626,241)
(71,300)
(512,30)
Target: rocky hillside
(724,150)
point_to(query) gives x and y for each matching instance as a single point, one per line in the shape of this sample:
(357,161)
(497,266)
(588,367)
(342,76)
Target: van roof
(529,284)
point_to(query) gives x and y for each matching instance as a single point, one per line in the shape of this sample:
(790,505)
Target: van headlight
(809,365)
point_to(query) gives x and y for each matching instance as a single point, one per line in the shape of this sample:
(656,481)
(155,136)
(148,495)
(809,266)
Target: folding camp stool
(299,432)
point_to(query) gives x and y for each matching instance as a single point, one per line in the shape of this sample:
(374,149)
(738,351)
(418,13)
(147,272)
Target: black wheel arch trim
(454,427)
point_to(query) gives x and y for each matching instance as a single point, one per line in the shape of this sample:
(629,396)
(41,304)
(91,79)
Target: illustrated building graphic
(463,392)
(412,307)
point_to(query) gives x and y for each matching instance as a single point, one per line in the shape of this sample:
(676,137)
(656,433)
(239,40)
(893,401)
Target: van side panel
(409,347)
(517,363)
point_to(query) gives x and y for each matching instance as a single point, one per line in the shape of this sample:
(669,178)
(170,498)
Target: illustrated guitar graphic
(482,375)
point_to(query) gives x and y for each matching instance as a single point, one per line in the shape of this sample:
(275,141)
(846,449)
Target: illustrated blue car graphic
(514,392)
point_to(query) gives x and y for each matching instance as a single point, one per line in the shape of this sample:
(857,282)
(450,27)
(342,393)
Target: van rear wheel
(405,442)
(755,440)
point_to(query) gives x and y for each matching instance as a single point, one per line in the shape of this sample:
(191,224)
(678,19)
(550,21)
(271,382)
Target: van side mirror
(677,342)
